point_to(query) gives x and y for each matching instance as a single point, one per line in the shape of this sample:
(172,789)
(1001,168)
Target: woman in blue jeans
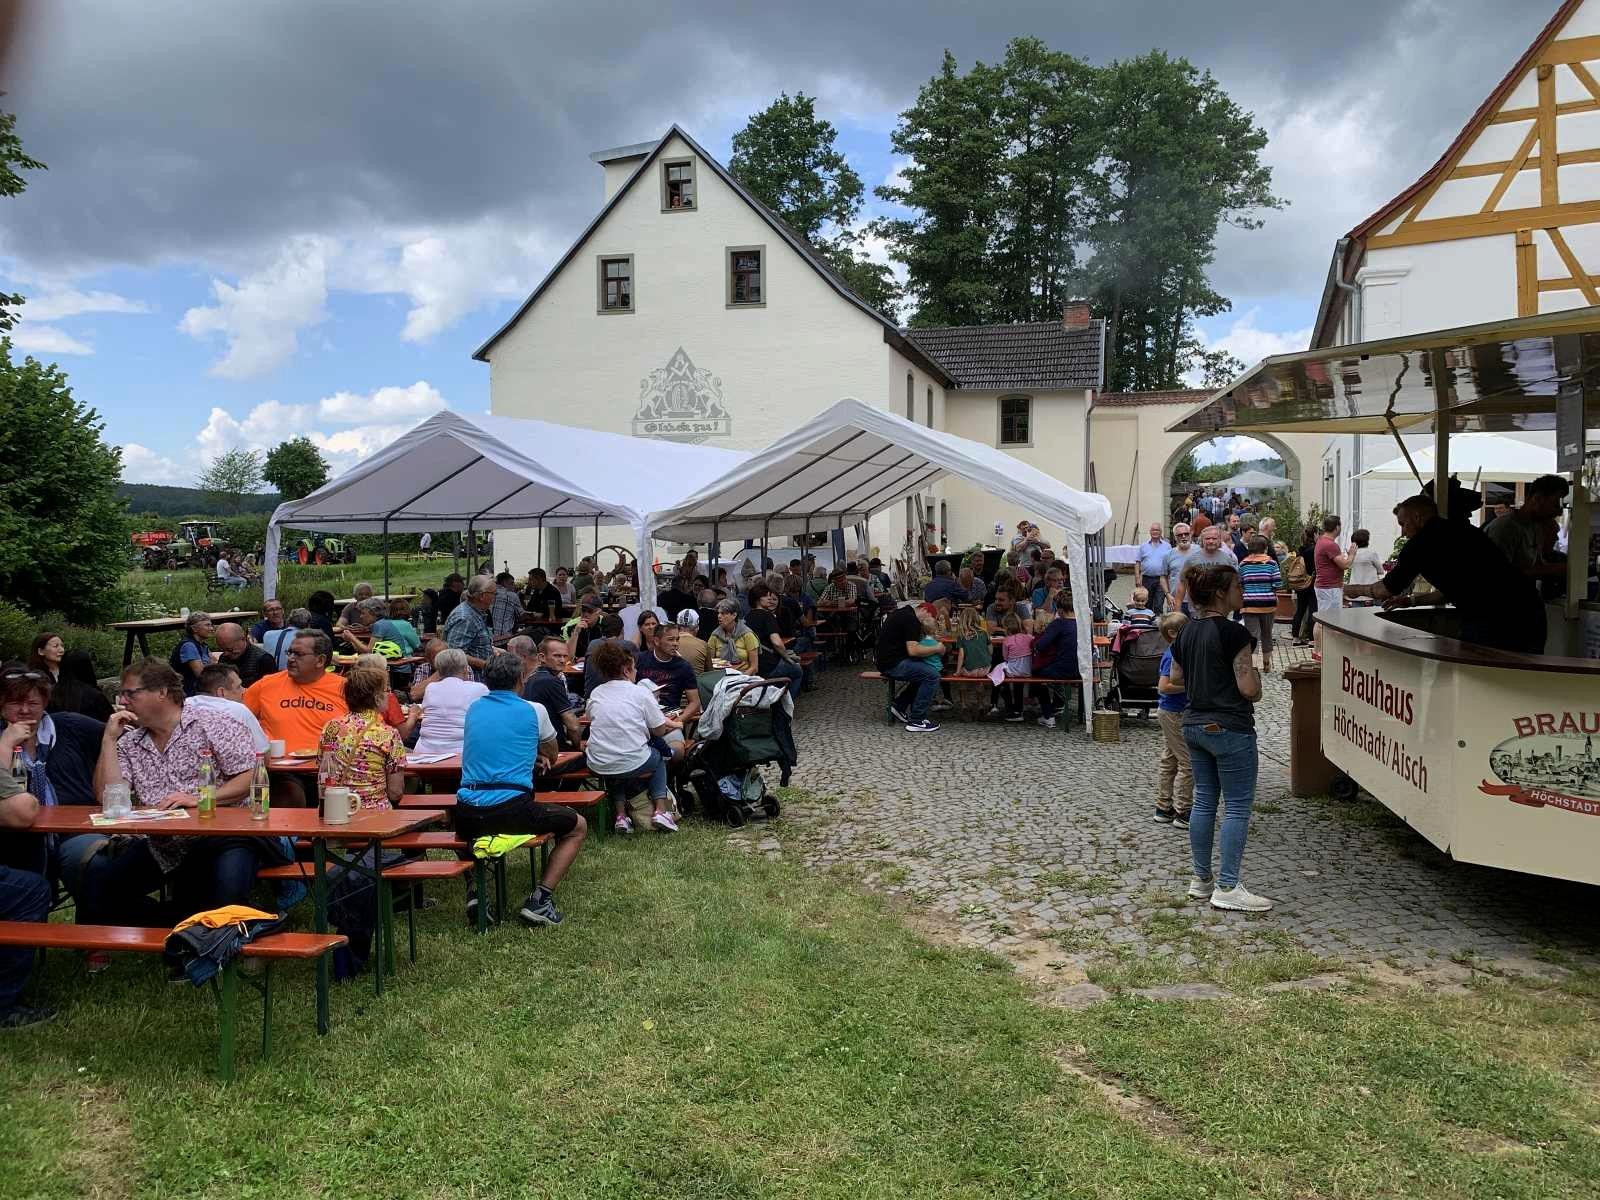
(1212,661)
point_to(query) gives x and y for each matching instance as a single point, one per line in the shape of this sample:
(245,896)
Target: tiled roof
(1036,357)
(1134,399)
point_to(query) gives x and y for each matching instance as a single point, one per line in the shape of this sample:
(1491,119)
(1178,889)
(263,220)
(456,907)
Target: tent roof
(1488,456)
(506,472)
(1502,376)
(1252,479)
(853,460)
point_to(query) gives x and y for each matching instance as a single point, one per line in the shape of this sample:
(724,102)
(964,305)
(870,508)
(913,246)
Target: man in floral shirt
(154,743)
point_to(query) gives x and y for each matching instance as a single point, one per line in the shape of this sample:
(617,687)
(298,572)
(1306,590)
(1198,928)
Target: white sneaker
(1047,722)
(1236,899)
(942,706)
(663,821)
(996,711)
(623,824)
(1200,889)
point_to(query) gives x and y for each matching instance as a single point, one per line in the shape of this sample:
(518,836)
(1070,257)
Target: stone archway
(1291,464)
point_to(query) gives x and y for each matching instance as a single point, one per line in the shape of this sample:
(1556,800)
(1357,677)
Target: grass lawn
(711,1023)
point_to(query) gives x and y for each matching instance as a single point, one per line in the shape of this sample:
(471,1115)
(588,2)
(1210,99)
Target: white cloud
(419,400)
(47,339)
(140,464)
(387,412)
(54,302)
(1250,344)
(445,272)
(261,317)
(1232,449)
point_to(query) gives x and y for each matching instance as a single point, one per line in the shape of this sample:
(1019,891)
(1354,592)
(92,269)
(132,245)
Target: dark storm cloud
(191,130)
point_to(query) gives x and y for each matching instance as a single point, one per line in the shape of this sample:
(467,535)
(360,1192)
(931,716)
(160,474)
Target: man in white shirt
(220,691)
(425,544)
(226,574)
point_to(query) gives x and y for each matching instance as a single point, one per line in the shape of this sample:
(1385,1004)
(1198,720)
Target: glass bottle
(207,791)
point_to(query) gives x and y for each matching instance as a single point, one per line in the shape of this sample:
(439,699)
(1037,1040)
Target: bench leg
(228,1003)
(411,923)
(266,1008)
(480,880)
(319,904)
(500,883)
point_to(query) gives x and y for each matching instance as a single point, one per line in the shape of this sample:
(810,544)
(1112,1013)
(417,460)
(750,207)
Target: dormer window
(677,185)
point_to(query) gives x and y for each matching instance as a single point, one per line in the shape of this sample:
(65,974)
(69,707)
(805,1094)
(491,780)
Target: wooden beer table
(142,629)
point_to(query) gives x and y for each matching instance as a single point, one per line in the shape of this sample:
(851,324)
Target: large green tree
(12,161)
(229,478)
(788,158)
(1177,158)
(296,468)
(1042,177)
(62,543)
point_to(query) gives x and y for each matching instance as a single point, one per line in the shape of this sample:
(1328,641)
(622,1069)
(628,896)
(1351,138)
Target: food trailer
(1494,757)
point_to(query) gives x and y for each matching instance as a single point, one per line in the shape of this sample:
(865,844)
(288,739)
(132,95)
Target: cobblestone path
(1016,834)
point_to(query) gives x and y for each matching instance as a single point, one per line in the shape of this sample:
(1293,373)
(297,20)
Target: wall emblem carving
(681,403)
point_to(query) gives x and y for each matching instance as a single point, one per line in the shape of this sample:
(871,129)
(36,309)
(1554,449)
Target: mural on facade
(681,403)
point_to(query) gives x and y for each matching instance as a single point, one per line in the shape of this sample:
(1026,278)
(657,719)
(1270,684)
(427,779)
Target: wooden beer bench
(136,939)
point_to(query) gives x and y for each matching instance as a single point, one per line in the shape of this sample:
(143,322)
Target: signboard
(1493,766)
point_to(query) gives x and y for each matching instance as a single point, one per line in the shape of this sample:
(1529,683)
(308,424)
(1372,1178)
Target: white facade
(1505,225)
(741,374)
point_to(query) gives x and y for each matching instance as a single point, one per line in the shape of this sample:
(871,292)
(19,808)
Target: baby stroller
(1135,668)
(724,767)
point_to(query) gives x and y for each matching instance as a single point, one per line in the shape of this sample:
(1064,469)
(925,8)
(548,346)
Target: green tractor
(197,544)
(319,551)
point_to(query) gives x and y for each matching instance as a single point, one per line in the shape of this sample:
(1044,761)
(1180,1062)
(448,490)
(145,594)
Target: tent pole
(712,552)
(472,549)
(538,553)
(386,559)
(766,527)
(597,541)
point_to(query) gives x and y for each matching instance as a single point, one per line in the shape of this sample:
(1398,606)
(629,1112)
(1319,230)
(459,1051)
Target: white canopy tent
(1488,456)
(854,460)
(461,474)
(1245,481)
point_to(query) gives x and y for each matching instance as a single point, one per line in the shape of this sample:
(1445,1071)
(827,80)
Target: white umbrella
(1487,456)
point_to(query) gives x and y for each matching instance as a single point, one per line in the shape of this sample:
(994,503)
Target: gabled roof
(1446,163)
(1136,399)
(891,332)
(1045,356)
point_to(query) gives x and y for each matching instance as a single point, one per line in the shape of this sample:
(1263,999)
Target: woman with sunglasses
(59,752)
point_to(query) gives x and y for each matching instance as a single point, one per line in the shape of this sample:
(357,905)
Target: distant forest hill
(186,502)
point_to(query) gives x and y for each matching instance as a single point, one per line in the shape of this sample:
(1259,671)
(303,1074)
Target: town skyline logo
(681,402)
(1548,769)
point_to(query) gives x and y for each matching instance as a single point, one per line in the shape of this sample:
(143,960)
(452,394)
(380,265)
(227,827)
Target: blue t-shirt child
(1176,702)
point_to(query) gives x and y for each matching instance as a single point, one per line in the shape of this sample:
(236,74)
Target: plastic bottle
(207,790)
(260,790)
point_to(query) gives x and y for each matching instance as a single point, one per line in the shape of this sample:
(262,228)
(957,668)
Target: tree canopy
(295,467)
(1041,178)
(788,159)
(12,161)
(230,477)
(62,546)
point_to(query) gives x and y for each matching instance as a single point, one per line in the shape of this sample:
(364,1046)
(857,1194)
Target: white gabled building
(688,311)
(1505,224)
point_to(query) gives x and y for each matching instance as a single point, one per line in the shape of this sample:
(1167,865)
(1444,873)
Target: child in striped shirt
(1259,573)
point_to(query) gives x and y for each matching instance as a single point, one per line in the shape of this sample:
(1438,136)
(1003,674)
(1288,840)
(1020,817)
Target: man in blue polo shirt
(1153,557)
(502,744)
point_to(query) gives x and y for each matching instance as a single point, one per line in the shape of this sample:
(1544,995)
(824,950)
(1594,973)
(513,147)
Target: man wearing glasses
(1178,558)
(154,742)
(294,704)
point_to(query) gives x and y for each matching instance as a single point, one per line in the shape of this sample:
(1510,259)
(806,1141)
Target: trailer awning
(1503,376)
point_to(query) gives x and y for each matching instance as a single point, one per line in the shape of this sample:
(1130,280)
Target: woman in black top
(77,691)
(1212,661)
(1305,599)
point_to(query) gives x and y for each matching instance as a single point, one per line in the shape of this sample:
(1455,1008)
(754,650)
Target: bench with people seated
(1072,685)
(135,939)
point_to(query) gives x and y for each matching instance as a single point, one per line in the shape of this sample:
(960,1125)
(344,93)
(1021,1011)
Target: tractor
(320,550)
(151,547)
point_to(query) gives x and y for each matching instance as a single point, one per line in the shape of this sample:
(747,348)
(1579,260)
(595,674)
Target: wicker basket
(1106,726)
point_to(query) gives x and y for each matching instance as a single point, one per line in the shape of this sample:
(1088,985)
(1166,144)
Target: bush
(18,629)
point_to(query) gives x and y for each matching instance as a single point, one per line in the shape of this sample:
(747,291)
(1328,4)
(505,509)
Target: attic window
(677,185)
(616,283)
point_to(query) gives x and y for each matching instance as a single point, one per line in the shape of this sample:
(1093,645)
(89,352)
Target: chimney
(1075,314)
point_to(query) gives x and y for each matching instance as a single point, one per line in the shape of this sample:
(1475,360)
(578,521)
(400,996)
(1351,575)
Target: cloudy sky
(269,218)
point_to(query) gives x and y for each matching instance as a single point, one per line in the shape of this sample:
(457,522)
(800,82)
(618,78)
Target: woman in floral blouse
(359,750)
